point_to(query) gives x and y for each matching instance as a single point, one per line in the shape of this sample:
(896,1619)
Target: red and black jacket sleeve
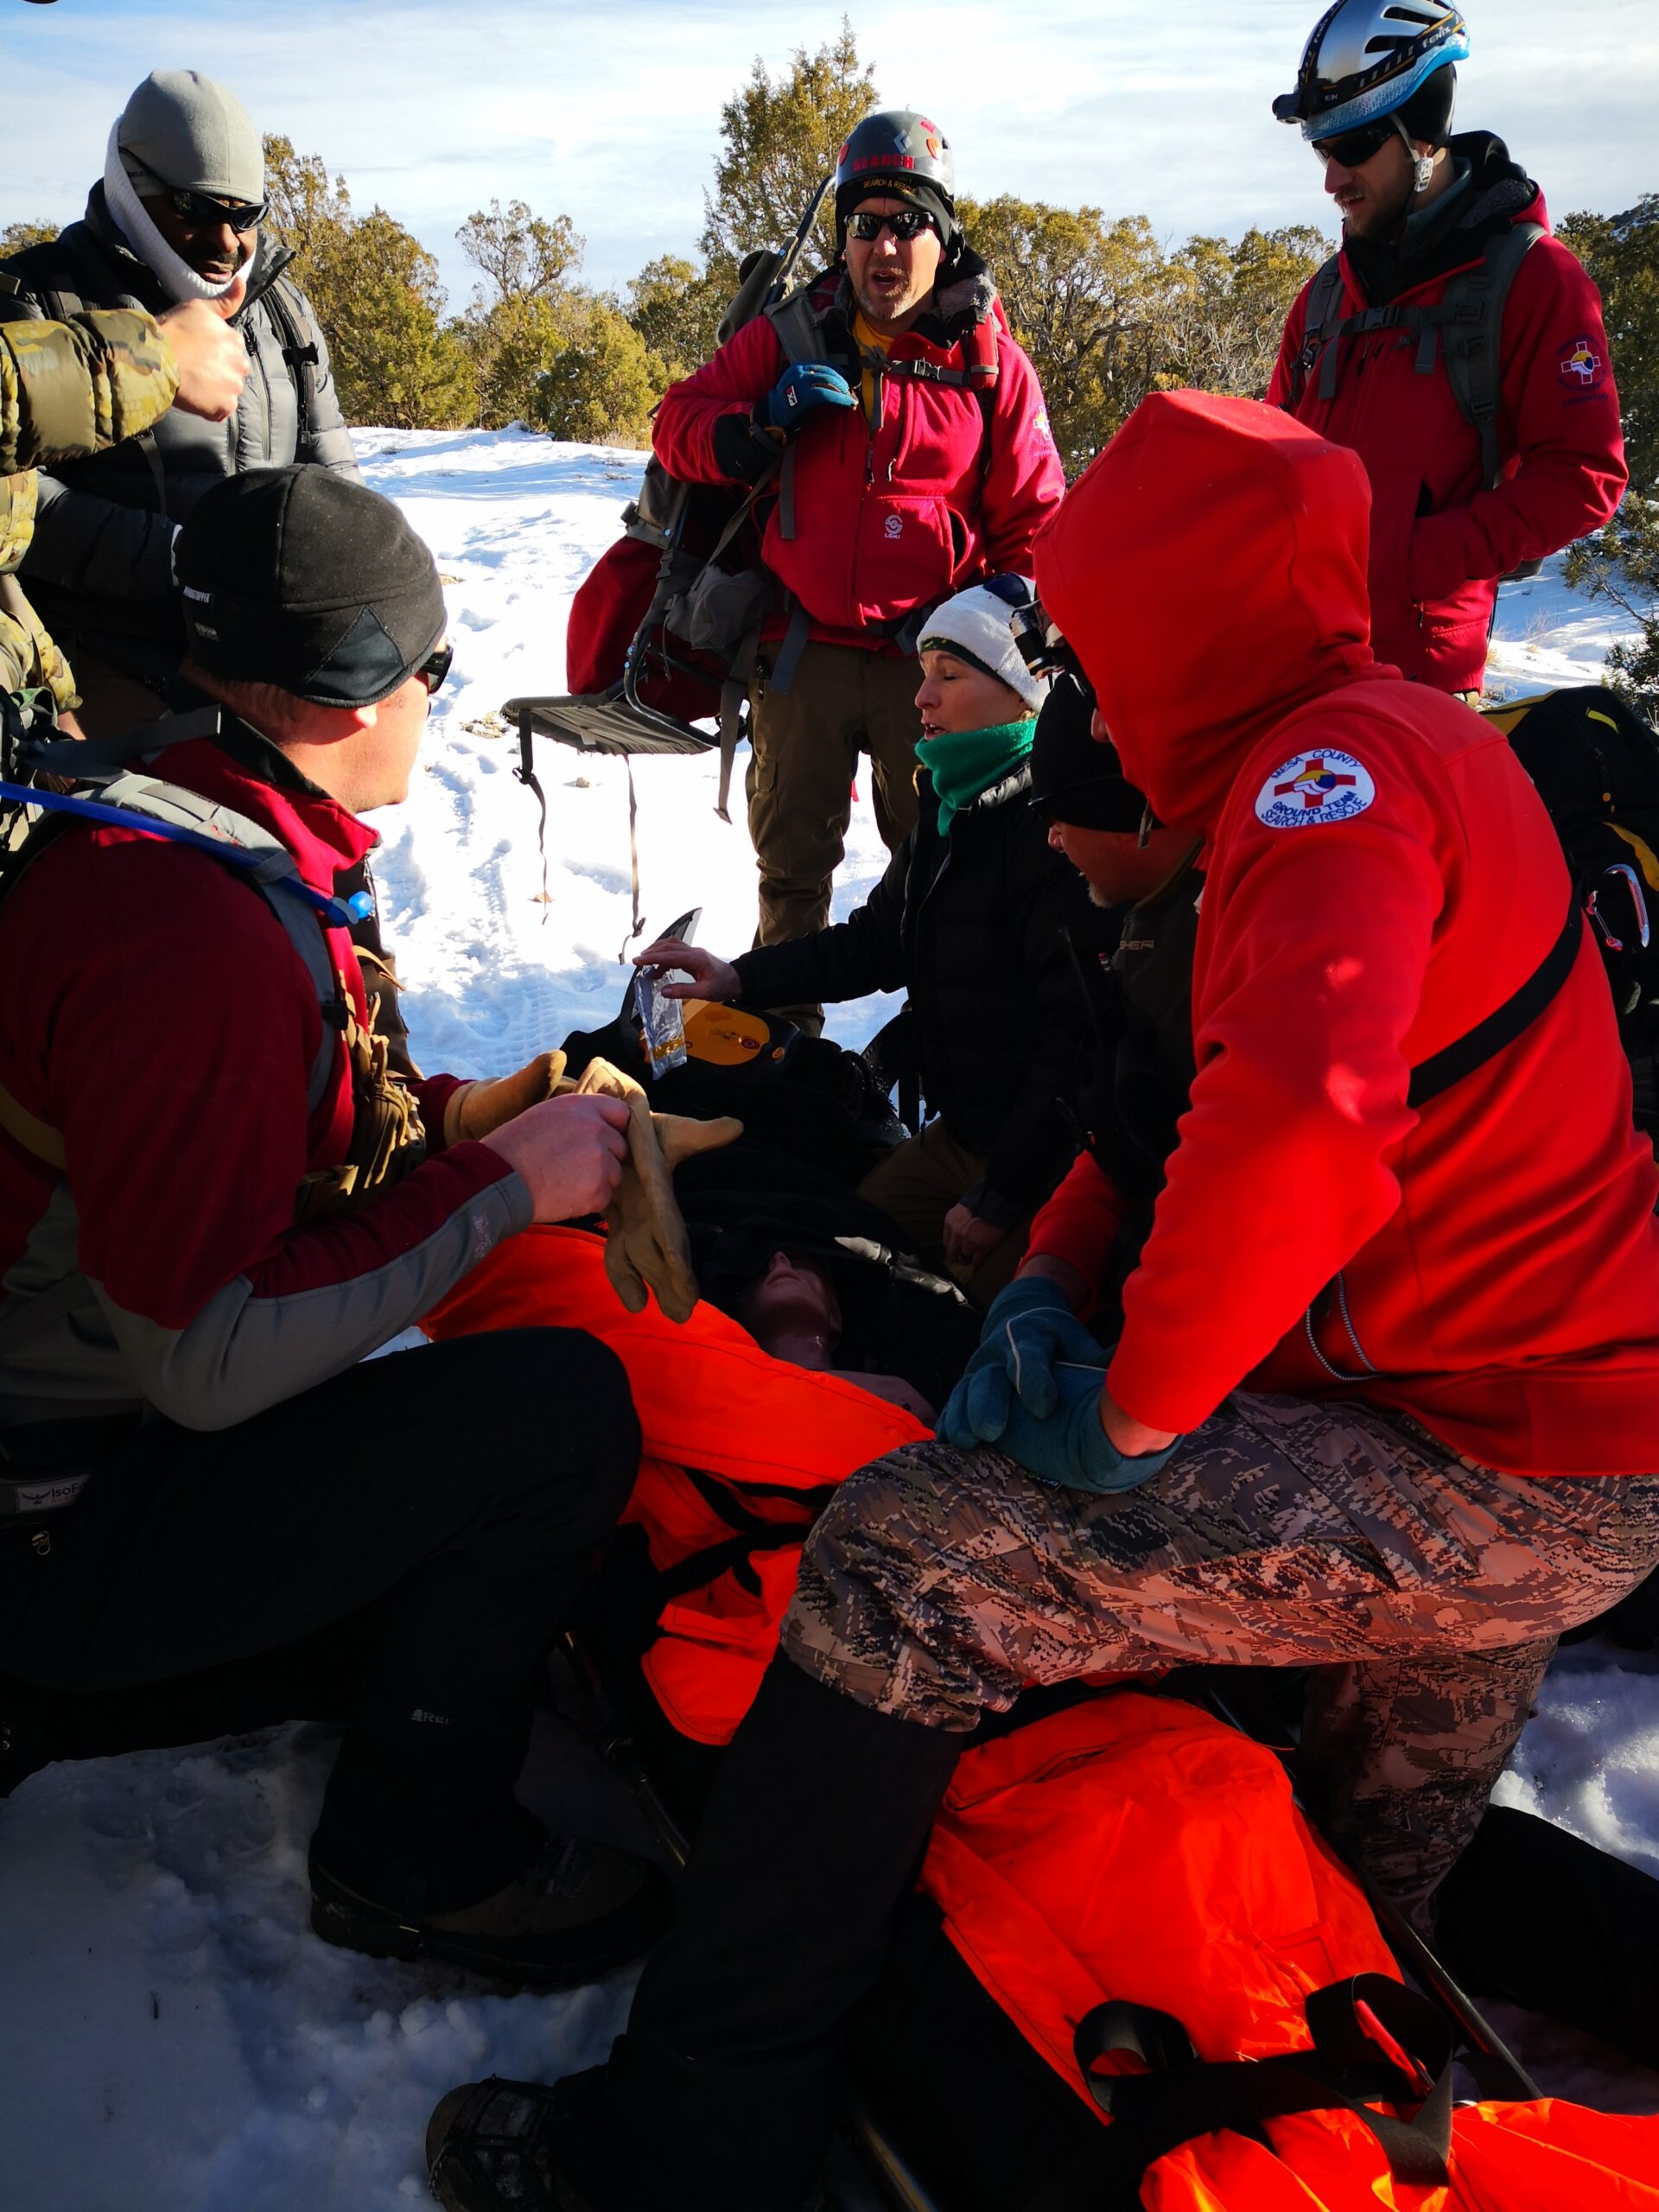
(172,1048)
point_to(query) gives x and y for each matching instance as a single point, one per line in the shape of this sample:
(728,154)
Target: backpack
(1136,1977)
(1467,323)
(1595,763)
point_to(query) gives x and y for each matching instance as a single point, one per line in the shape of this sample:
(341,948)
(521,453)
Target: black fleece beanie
(1074,776)
(305,579)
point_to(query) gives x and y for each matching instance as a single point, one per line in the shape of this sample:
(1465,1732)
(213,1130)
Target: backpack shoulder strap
(171,813)
(60,299)
(1324,302)
(284,299)
(1474,341)
(799,326)
(1323,299)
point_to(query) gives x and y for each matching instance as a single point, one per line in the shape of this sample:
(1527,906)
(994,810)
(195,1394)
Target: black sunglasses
(1355,148)
(909,223)
(437,665)
(204,212)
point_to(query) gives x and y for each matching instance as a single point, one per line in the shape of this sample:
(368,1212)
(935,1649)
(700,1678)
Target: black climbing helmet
(899,152)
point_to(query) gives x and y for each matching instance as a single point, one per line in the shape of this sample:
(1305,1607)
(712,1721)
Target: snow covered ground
(172,2038)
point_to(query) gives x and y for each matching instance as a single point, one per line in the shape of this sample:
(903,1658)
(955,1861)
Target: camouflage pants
(1426,1591)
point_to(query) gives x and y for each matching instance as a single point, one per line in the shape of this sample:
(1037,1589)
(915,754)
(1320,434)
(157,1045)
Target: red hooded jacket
(1441,539)
(892,519)
(1380,876)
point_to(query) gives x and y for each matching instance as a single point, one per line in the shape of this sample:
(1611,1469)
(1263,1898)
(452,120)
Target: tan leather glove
(646,1242)
(478,1108)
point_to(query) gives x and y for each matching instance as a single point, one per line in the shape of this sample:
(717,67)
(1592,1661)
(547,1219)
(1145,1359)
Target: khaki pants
(806,744)
(919,1182)
(1427,1592)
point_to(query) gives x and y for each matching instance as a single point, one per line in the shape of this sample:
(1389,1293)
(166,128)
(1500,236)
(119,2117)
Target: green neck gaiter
(965,762)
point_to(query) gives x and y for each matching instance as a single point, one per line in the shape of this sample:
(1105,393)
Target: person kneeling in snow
(215,1201)
(972,919)
(1387,1393)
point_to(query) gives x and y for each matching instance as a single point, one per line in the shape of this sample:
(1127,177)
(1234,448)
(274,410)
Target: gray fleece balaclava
(182,129)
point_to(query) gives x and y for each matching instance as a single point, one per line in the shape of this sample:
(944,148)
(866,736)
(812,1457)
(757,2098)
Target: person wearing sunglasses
(1374,355)
(175,218)
(201,1470)
(898,437)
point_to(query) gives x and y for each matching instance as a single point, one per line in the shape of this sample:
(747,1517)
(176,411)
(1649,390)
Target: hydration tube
(339,913)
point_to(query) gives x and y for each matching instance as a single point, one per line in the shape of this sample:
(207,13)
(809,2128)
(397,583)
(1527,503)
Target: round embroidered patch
(1315,787)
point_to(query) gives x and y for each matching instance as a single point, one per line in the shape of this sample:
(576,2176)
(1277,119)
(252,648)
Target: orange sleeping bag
(1136,1850)
(738,1452)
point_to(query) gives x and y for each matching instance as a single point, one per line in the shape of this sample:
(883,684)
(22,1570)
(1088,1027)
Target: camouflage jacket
(66,390)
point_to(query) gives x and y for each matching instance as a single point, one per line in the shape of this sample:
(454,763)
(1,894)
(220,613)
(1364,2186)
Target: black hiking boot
(722,2095)
(491,2143)
(579,1911)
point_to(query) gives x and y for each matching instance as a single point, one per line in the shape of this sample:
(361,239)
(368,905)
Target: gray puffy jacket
(100,569)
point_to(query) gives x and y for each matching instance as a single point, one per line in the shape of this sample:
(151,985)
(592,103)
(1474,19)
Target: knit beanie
(181,129)
(974,626)
(305,579)
(1076,776)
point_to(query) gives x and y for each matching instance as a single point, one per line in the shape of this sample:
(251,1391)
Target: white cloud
(612,115)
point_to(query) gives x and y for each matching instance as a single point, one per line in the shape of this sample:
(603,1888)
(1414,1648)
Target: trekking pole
(1503,2072)
(886,2162)
(796,246)
(611,1737)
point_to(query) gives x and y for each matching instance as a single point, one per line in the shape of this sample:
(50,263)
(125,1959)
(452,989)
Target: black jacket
(975,927)
(100,568)
(1491,190)
(1141,1068)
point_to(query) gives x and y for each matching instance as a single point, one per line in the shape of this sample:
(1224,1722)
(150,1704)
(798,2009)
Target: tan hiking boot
(579,1911)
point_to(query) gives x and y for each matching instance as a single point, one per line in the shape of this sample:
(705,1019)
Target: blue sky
(611,113)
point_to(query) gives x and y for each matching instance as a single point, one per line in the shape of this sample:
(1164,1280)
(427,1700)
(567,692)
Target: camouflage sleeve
(28,656)
(68,388)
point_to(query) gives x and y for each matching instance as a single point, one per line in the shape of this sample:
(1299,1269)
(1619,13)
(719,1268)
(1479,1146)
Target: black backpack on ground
(1595,763)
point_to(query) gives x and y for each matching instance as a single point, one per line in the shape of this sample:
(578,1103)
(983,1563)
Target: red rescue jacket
(1380,877)
(893,518)
(731,1438)
(1441,539)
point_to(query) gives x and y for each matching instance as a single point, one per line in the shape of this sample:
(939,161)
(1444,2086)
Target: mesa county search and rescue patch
(1315,787)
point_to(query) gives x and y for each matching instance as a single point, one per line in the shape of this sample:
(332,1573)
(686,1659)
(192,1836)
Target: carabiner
(1633,883)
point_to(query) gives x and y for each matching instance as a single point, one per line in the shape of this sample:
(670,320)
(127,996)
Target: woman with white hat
(971,919)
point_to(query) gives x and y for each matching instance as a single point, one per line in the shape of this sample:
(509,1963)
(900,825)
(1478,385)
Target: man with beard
(904,436)
(1489,427)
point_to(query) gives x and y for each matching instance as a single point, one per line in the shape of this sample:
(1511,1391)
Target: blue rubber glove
(1070,1448)
(1029,1326)
(802,387)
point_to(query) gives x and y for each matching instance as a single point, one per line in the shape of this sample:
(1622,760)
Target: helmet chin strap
(1422,165)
